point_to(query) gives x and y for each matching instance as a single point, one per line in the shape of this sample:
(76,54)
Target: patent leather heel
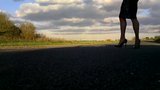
(137,44)
(123,43)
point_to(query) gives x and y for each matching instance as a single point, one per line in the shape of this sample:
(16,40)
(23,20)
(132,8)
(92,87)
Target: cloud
(36,12)
(60,1)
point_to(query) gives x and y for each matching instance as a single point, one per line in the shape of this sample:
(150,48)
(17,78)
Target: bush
(28,31)
(148,39)
(157,39)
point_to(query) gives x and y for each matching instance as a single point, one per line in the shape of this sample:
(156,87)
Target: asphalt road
(81,68)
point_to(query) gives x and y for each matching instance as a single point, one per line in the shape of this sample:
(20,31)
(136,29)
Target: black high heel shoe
(120,45)
(137,44)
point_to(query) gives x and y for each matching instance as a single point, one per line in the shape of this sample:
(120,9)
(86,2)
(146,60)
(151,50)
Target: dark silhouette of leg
(123,25)
(135,23)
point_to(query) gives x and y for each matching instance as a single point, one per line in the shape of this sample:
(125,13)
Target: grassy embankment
(46,42)
(49,43)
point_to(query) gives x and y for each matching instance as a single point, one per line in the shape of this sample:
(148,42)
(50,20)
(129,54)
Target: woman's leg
(123,25)
(135,23)
(136,31)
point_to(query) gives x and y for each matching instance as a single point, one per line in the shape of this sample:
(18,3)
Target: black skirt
(129,9)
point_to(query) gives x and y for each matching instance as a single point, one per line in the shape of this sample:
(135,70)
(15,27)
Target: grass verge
(38,44)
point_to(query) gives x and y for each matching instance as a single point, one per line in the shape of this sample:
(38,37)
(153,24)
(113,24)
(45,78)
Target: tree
(28,30)
(7,27)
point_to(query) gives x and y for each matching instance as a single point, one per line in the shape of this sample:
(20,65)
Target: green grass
(7,44)
(31,43)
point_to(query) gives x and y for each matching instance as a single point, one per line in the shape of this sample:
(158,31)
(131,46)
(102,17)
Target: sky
(82,19)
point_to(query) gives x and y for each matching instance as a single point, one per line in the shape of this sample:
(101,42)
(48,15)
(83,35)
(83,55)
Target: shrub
(28,31)
(157,39)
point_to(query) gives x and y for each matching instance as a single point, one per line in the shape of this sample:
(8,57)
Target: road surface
(81,68)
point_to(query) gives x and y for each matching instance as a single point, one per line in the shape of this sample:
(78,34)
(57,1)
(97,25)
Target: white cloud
(60,1)
(28,8)
(103,1)
(111,20)
(74,20)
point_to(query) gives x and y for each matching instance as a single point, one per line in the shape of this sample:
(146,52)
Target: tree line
(9,30)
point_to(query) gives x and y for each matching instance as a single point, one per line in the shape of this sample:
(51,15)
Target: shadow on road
(88,67)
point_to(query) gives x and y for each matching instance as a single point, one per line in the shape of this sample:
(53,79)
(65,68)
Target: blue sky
(11,6)
(82,19)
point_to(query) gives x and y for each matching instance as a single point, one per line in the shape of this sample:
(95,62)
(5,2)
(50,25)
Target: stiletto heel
(125,45)
(120,45)
(137,44)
